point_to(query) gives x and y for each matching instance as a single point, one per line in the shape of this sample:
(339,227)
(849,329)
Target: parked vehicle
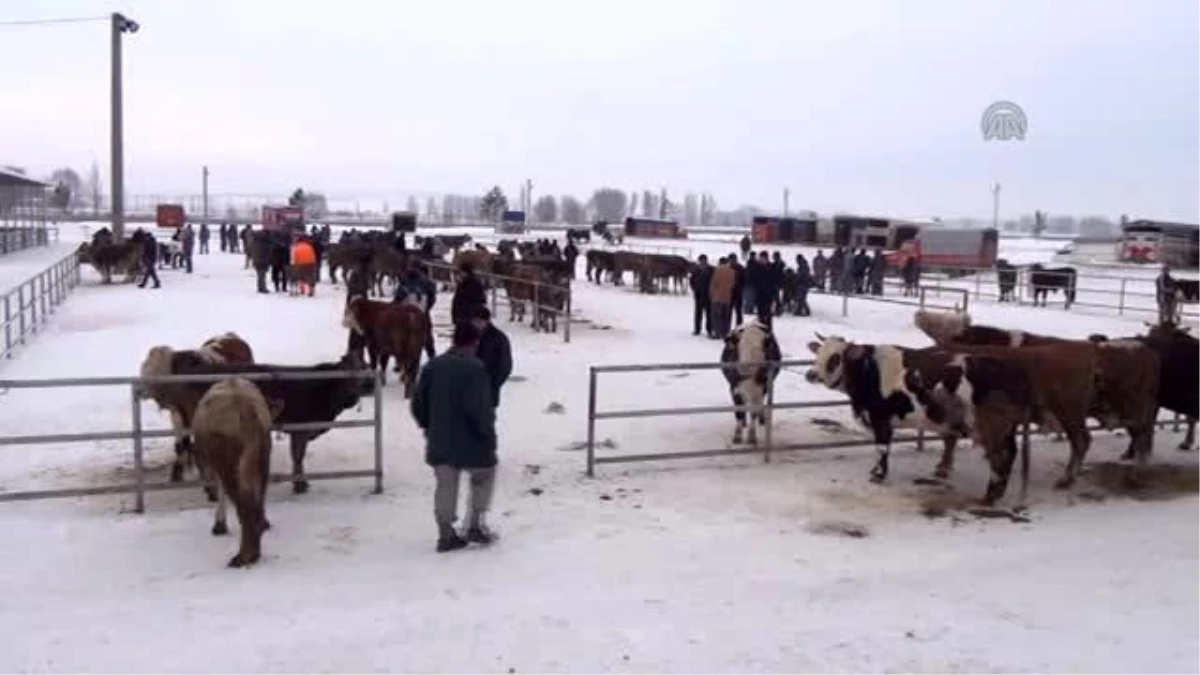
(955,251)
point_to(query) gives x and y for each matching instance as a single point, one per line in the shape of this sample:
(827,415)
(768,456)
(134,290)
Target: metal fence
(1114,292)
(138,434)
(563,314)
(921,300)
(13,239)
(30,304)
(768,409)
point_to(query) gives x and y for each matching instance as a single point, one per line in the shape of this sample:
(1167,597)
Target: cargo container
(1148,241)
(786,230)
(512,222)
(169,215)
(283,218)
(653,228)
(404,221)
(953,250)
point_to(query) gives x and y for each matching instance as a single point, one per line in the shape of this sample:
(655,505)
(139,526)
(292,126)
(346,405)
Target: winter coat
(701,281)
(187,241)
(720,289)
(259,245)
(496,353)
(452,403)
(149,248)
(467,297)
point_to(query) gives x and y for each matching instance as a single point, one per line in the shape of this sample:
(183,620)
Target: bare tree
(431,210)
(493,205)
(609,204)
(546,209)
(572,210)
(413,206)
(94,187)
(649,204)
(68,188)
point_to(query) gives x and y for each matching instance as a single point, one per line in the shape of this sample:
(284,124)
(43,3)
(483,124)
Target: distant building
(1154,241)
(23,206)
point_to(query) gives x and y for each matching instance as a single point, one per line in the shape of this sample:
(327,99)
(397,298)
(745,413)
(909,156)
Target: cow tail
(249,474)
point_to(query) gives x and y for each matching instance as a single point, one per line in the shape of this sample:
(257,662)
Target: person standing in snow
(494,350)
(204,234)
(452,403)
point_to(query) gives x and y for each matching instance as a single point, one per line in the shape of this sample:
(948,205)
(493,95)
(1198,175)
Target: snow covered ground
(717,565)
(19,267)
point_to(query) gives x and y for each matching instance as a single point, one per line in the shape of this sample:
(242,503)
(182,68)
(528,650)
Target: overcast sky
(855,105)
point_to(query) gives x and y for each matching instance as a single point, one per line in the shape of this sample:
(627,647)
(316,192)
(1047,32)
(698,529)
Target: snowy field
(714,565)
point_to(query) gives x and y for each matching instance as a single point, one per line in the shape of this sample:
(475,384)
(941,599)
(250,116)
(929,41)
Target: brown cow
(232,427)
(225,348)
(391,329)
(1126,377)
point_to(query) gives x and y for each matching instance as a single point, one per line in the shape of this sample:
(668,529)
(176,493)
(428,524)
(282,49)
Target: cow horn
(819,336)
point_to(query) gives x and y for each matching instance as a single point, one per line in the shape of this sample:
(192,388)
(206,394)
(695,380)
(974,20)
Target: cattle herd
(985,383)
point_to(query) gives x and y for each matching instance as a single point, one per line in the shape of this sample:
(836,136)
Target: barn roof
(11,178)
(1162,226)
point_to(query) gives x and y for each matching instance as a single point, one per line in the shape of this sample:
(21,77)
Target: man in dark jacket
(149,257)
(739,287)
(452,403)
(467,296)
(764,289)
(419,289)
(259,245)
(204,234)
(777,269)
(804,281)
(280,257)
(819,268)
(494,350)
(700,282)
(571,254)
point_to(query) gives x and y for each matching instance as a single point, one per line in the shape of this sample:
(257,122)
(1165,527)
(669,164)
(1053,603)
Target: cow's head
(829,366)
(156,363)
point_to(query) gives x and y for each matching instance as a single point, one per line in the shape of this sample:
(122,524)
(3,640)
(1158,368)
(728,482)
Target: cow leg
(1000,457)
(883,446)
(946,465)
(1080,438)
(250,520)
(740,416)
(220,524)
(298,445)
(1189,437)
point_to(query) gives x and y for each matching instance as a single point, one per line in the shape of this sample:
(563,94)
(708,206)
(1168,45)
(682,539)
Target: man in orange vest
(304,265)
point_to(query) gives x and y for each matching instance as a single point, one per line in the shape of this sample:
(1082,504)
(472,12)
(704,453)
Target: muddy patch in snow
(1149,483)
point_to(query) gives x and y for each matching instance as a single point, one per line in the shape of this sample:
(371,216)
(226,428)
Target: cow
(1044,280)
(390,329)
(984,395)
(303,401)
(947,328)
(225,348)
(1006,276)
(746,355)
(599,262)
(232,428)
(1125,379)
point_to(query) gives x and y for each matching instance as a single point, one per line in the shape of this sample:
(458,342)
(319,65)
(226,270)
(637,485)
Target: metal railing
(922,298)
(13,239)
(563,314)
(770,405)
(138,434)
(30,304)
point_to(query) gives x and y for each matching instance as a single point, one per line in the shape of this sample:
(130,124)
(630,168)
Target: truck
(169,215)
(956,251)
(283,218)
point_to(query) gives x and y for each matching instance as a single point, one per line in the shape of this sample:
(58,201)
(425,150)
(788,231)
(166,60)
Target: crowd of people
(766,286)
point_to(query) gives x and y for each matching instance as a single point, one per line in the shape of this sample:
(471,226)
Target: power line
(44,22)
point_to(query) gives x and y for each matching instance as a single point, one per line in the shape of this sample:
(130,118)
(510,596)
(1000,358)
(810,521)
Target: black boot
(480,535)
(448,540)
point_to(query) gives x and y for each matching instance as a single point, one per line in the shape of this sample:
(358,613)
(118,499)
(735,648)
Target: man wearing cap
(494,350)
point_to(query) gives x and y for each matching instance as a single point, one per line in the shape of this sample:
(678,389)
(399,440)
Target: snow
(713,565)
(20,266)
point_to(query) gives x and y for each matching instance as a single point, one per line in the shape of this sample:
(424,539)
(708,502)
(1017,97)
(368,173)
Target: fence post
(378,432)
(8,343)
(978,274)
(845,303)
(44,277)
(768,418)
(920,440)
(966,302)
(139,469)
(21,311)
(33,306)
(921,298)
(591,423)
(567,325)
(1121,302)
(492,297)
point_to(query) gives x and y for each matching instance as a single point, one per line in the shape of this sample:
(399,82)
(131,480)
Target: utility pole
(996,205)
(786,194)
(117,135)
(204,202)
(528,199)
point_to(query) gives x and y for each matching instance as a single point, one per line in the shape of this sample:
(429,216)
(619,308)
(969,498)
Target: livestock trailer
(283,218)
(169,215)
(785,230)
(654,228)
(1148,241)
(955,251)
(404,221)
(512,222)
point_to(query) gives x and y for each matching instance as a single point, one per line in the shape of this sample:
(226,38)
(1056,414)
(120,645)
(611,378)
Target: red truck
(169,215)
(952,250)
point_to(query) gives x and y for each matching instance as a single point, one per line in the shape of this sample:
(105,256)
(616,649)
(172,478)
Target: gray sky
(855,105)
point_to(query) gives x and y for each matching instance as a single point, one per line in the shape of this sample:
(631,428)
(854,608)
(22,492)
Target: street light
(120,24)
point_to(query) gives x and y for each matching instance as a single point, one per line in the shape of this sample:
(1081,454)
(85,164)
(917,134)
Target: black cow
(1044,280)
(1006,275)
(750,343)
(579,234)
(309,400)
(1187,290)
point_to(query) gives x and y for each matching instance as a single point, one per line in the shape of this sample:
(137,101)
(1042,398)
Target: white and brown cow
(225,348)
(952,395)
(747,349)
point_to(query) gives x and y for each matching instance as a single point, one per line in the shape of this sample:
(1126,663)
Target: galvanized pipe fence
(13,239)
(538,292)
(28,306)
(770,405)
(138,433)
